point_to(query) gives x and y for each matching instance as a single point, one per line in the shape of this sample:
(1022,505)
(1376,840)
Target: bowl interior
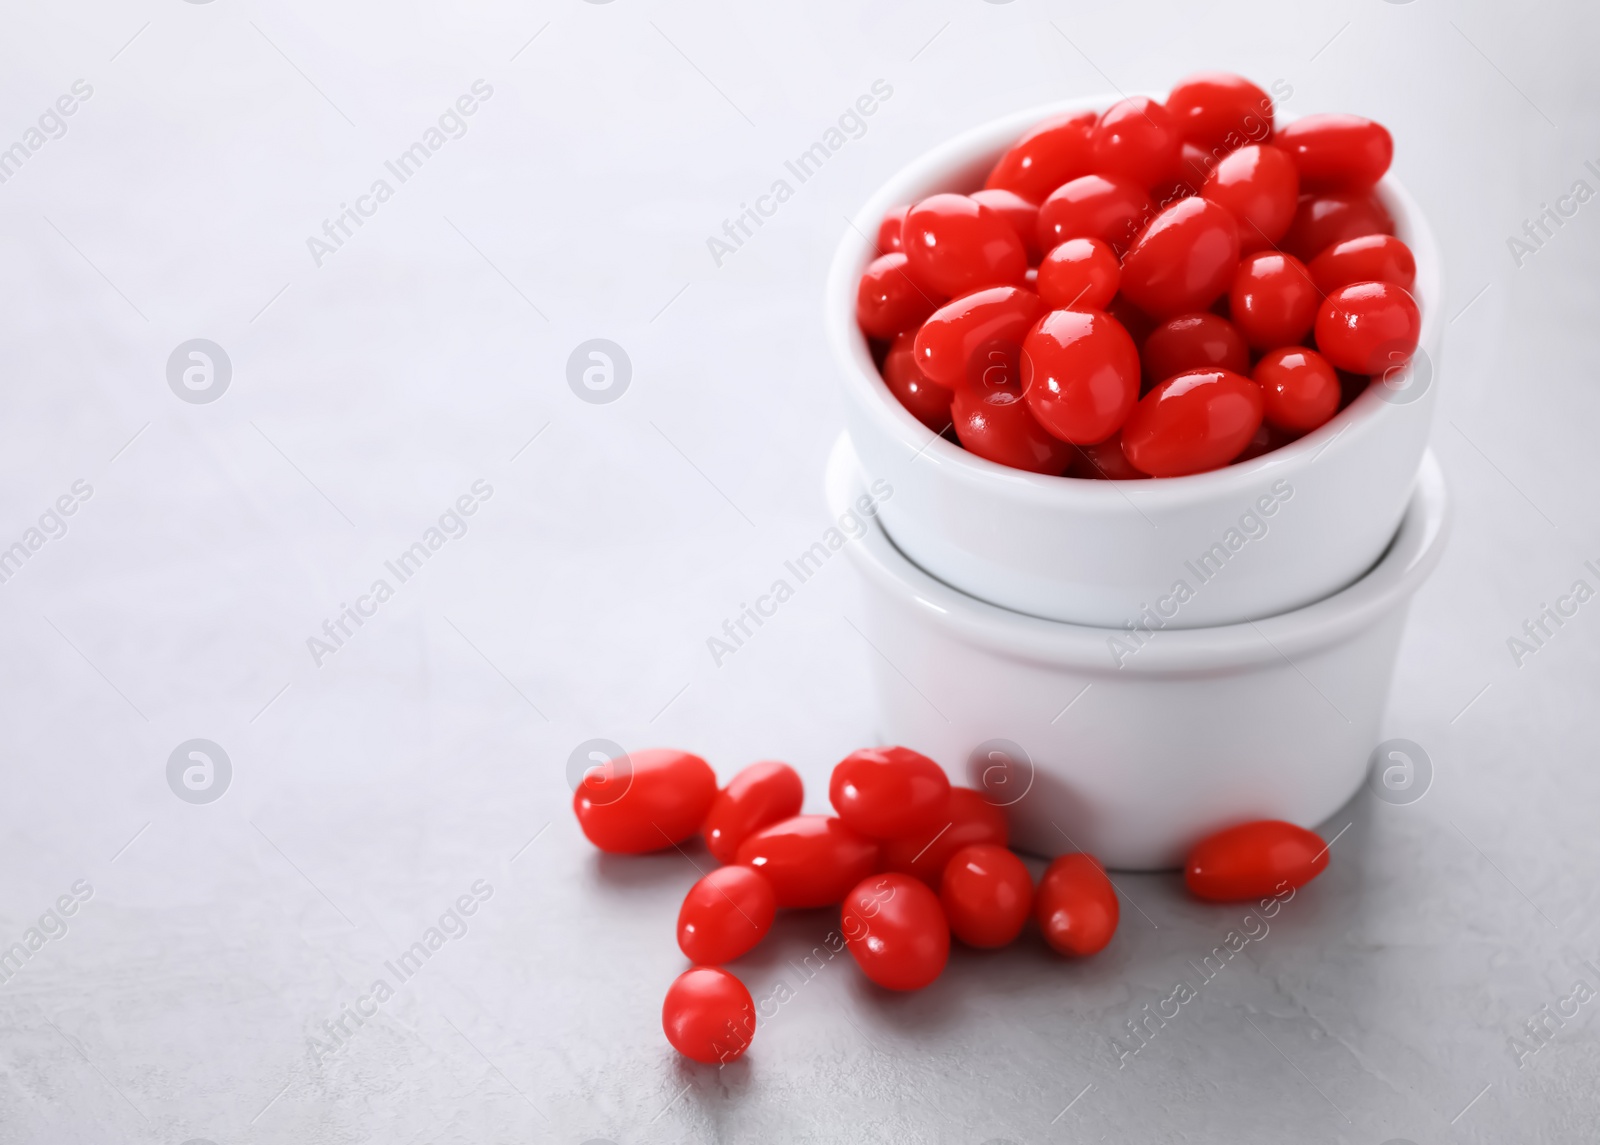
(961,164)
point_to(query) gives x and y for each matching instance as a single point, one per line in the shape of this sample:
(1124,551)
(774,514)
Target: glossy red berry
(1051,154)
(1183,261)
(1218,111)
(1321,220)
(1371,258)
(1197,165)
(1080,374)
(1191,423)
(1368,327)
(1105,207)
(1299,389)
(885,792)
(1136,322)
(997,425)
(644,801)
(1337,152)
(709,1016)
(1266,439)
(1137,139)
(1191,342)
(924,399)
(896,931)
(975,340)
(1260,188)
(889,230)
(1163,195)
(987,895)
(1105,461)
(1022,214)
(756,797)
(1254,860)
(887,300)
(1076,906)
(724,915)
(968,818)
(1079,274)
(1273,300)
(956,245)
(810,860)
(1352,386)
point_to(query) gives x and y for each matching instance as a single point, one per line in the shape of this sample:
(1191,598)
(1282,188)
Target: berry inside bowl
(1253,539)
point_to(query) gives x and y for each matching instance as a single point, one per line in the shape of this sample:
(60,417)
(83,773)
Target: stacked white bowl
(1031,632)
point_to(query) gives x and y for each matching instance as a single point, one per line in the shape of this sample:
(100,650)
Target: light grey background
(430,751)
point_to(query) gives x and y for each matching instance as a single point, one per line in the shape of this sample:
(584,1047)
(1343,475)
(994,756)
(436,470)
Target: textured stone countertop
(397,284)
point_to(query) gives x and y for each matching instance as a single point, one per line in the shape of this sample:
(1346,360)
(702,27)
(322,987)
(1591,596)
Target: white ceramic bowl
(1134,754)
(1102,552)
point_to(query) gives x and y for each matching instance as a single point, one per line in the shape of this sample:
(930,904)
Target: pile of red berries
(911,859)
(1155,290)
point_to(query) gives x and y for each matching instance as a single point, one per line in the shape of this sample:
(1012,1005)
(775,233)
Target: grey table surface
(199,189)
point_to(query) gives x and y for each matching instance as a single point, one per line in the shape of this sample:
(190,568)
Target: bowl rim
(936,168)
(1409,559)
